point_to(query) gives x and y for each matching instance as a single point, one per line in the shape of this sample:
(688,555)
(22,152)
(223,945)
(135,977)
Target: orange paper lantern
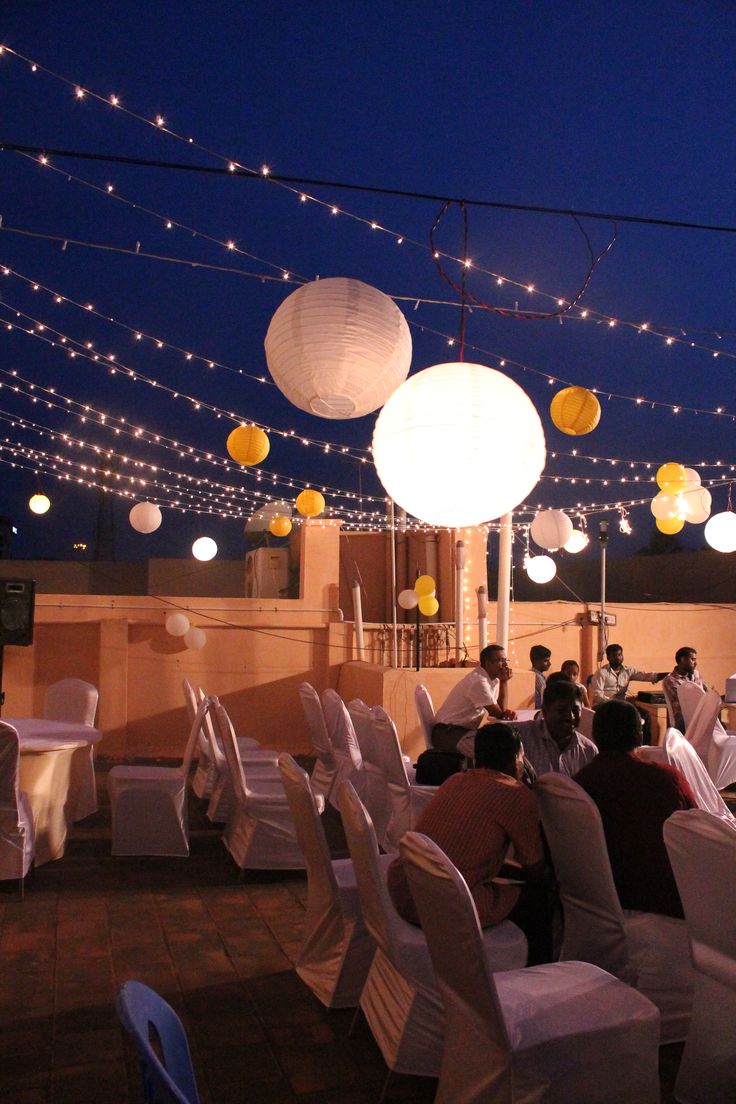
(575,411)
(310,503)
(248,445)
(280,526)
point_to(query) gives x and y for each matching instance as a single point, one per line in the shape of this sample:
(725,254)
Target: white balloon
(696,505)
(145,517)
(692,479)
(577,542)
(665,506)
(540,569)
(720,532)
(551,529)
(177,624)
(204,548)
(408,599)
(195,639)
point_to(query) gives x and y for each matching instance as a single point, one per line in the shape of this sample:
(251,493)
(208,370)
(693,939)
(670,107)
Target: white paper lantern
(177,624)
(551,529)
(39,503)
(204,548)
(540,569)
(279,507)
(577,542)
(437,434)
(720,532)
(338,348)
(195,639)
(145,517)
(665,507)
(695,504)
(408,599)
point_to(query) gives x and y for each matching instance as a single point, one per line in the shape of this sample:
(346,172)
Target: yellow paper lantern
(575,411)
(672,478)
(310,503)
(280,526)
(425,586)
(428,605)
(670,526)
(248,445)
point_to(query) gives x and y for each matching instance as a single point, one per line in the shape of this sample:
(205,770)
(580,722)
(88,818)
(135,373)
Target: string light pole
(602,627)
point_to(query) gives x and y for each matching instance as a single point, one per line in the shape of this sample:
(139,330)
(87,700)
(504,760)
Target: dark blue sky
(624,109)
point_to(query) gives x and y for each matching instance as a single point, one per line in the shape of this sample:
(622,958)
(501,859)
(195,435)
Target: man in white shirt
(612,679)
(551,741)
(479,695)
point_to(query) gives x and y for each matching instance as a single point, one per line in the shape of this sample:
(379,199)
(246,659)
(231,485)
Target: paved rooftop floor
(219,948)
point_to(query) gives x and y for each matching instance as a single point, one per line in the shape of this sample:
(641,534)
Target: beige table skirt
(48,777)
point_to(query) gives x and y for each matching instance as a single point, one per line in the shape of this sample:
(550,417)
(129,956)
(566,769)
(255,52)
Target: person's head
(615,656)
(686,660)
(558,676)
(498,747)
(616,726)
(571,668)
(561,703)
(493,660)
(540,657)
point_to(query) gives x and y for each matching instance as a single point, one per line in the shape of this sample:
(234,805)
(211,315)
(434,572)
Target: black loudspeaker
(17,603)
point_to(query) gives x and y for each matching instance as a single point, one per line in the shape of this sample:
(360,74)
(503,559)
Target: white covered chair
(337,950)
(17,833)
(407,798)
(702,851)
(400,999)
(715,746)
(260,832)
(374,791)
(206,772)
(566,1033)
(585,724)
(325,769)
(644,949)
(425,712)
(345,747)
(149,804)
(680,753)
(74,701)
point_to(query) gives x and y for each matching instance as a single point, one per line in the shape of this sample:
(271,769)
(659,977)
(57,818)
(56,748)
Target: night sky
(625,109)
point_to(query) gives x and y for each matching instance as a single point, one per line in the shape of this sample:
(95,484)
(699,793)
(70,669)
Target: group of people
(477,813)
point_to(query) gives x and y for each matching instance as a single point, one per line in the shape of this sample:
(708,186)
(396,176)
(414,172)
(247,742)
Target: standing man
(541,662)
(686,670)
(481,694)
(551,741)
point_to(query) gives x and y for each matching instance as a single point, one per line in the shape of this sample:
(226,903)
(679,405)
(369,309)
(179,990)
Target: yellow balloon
(425,586)
(670,526)
(575,411)
(310,503)
(248,445)
(672,478)
(428,605)
(280,526)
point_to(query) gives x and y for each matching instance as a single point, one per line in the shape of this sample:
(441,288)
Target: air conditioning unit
(267,573)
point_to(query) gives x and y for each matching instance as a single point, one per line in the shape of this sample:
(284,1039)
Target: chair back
(9,780)
(310,835)
(191,702)
(71,700)
(690,696)
(681,754)
(700,709)
(425,712)
(670,703)
(225,734)
(168,1079)
(312,707)
(342,734)
(585,724)
(215,750)
(388,749)
(361,717)
(594,920)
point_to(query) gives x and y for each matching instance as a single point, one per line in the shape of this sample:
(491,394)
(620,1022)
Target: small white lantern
(145,517)
(540,569)
(408,599)
(551,529)
(195,638)
(695,504)
(720,532)
(434,437)
(177,624)
(204,548)
(577,542)
(338,348)
(39,503)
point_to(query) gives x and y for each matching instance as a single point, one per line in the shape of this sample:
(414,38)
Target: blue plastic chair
(170,1081)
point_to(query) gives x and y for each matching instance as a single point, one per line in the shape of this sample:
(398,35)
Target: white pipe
(358,619)
(459,599)
(482,617)
(505,537)
(394,632)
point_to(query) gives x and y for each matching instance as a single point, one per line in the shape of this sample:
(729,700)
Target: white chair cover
(337,950)
(345,747)
(669,702)
(681,754)
(325,769)
(400,999)
(374,792)
(645,949)
(425,712)
(702,851)
(149,804)
(75,701)
(206,773)
(259,833)
(560,1033)
(715,746)
(407,799)
(586,721)
(17,834)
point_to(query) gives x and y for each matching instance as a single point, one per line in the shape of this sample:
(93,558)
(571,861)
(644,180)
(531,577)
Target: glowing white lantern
(551,529)
(540,569)
(665,507)
(145,517)
(338,348)
(39,503)
(408,599)
(577,542)
(195,638)
(204,548)
(695,504)
(177,624)
(720,532)
(434,438)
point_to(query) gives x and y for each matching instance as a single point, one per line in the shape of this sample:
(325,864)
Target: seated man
(480,695)
(551,741)
(474,817)
(686,670)
(635,797)
(541,662)
(612,681)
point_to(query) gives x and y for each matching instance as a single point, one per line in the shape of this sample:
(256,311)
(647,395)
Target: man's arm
(503,714)
(648,676)
(597,684)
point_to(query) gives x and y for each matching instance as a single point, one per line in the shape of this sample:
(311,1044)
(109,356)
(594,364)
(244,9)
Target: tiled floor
(220,949)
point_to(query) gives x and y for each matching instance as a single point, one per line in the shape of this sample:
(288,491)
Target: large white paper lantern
(577,541)
(204,548)
(540,569)
(720,532)
(177,624)
(338,348)
(145,517)
(551,529)
(695,504)
(458,444)
(39,503)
